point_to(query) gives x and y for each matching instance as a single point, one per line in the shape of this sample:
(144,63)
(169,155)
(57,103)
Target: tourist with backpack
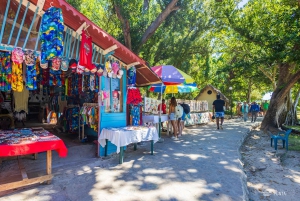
(186,111)
(172,116)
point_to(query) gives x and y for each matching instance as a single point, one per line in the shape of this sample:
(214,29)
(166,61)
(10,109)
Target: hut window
(209,92)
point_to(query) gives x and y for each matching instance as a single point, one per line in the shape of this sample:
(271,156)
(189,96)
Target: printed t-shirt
(219,104)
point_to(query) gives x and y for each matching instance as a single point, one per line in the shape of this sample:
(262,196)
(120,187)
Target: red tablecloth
(42,142)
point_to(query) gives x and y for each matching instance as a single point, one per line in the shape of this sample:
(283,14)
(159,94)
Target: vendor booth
(199,112)
(58,67)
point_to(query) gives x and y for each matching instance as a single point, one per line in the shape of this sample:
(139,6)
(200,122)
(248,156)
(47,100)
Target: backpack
(186,108)
(178,111)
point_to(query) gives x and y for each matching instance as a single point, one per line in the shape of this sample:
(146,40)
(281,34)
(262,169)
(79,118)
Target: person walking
(186,111)
(265,107)
(218,111)
(245,110)
(238,109)
(172,117)
(254,110)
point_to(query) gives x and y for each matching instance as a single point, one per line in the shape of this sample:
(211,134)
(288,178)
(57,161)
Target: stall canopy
(76,21)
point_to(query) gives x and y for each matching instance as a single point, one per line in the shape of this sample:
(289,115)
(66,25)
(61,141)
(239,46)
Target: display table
(30,141)
(124,136)
(154,118)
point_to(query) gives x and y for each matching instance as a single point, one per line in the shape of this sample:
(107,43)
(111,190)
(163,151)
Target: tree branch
(266,73)
(294,78)
(158,21)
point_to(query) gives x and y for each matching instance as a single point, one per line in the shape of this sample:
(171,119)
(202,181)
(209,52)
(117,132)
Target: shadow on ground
(203,165)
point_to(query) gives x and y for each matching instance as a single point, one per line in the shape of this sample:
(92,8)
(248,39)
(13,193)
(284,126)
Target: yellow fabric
(66,86)
(171,89)
(21,100)
(17,78)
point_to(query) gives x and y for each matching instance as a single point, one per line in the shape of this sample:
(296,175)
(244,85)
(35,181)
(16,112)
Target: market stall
(29,141)
(199,112)
(85,65)
(151,112)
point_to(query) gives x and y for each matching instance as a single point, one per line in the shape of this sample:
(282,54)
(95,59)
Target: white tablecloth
(126,135)
(154,118)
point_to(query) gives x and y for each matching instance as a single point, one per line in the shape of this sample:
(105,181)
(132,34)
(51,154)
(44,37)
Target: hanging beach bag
(178,111)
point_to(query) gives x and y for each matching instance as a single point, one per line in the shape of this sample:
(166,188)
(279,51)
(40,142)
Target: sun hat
(29,58)
(100,70)
(17,55)
(56,62)
(64,64)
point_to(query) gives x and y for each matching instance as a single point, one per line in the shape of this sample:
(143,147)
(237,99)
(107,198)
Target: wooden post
(105,148)
(121,159)
(22,169)
(49,164)
(152,143)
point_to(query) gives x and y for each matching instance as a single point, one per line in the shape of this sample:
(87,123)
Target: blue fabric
(172,117)
(52,30)
(254,108)
(219,114)
(183,116)
(131,76)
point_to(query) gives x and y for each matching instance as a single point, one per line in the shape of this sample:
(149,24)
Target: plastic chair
(284,138)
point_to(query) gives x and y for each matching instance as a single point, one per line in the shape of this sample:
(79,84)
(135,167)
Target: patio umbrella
(174,89)
(171,75)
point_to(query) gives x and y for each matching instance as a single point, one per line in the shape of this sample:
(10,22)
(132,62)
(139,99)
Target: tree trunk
(292,114)
(296,104)
(277,109)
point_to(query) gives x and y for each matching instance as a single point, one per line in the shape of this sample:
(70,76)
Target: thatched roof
(209,86)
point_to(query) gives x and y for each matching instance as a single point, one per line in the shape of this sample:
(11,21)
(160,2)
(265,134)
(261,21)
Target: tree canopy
(253,48)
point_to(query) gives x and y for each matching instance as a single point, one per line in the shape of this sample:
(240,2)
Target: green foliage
(294,142)
(215,42)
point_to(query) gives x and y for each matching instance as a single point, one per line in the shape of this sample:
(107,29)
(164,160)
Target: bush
(228,112)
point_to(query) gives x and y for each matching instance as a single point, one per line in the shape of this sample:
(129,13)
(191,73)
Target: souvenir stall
(151,112)
(73,73)
(199,112)
(23,69)
(173,80)
(134,132)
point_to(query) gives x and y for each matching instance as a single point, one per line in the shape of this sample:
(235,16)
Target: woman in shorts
(172,117)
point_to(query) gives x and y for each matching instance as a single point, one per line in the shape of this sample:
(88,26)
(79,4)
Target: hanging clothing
(52,30)
(31,83)
(17,77)
(131,76)
(5,71)
(134,96)
(86,52)
(21,100)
